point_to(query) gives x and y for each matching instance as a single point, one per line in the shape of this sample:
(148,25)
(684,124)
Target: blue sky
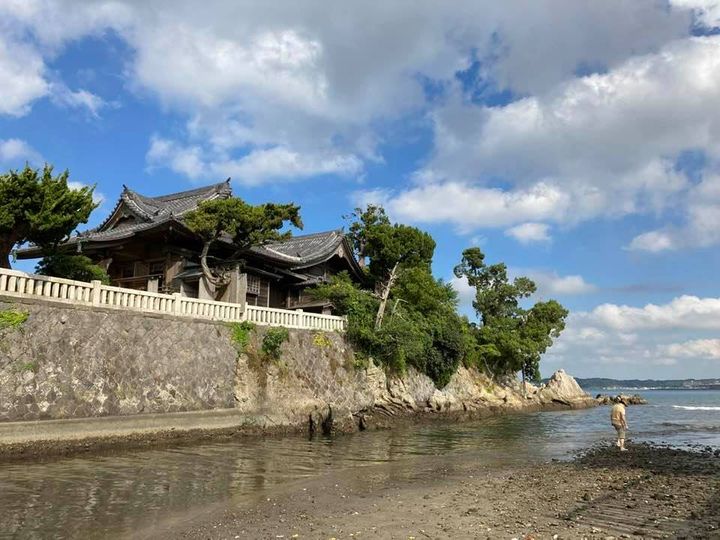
(578,142)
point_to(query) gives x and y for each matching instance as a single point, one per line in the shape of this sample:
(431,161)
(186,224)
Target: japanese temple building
(144,244)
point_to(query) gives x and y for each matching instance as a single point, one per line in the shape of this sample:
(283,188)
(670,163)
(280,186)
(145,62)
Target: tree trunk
(5,250)
(207,272)
(384,297)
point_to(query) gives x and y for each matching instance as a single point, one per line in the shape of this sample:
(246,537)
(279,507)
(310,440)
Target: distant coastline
(648,384)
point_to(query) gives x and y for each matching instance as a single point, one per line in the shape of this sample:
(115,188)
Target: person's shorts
(620,431)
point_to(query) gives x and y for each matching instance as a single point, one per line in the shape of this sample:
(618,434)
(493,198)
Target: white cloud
(469,207)
(605,143)
(22,72)
(17,151)
(98,197)
(653,241)
(707,12)
(670,340)
(688,312)
(528,233)
(697,348)
(77,99)
(256,168)
(550,284)
(321,78)
(702,222)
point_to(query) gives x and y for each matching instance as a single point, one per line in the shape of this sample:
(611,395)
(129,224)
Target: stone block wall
(69,362)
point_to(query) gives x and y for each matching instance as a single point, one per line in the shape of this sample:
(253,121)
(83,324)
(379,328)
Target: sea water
(683,418)
(112,493)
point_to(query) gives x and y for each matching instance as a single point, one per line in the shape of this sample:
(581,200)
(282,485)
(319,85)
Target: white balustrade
(14,283)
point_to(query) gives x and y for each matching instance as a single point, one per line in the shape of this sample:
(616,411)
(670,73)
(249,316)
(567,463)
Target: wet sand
(647,492)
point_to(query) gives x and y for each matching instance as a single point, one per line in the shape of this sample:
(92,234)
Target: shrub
(321,340)
(77,267)
(240,334)
(273,340)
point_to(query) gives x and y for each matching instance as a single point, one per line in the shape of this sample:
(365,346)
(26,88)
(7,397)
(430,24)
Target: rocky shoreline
(395,401)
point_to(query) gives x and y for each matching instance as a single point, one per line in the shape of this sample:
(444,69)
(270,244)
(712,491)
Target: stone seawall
(69,362)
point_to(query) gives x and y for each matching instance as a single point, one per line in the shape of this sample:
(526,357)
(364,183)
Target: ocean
(675,417)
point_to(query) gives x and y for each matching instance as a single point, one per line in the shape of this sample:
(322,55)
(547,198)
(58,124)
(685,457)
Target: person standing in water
(619,422)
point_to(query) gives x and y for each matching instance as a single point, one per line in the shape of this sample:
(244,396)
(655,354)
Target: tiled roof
(153,211)
(175,203)
(302,250)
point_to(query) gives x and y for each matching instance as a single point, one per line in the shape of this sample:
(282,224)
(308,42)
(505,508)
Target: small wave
(691,408)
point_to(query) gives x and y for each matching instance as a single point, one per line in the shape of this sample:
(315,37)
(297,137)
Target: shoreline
(55,439)
(648,492)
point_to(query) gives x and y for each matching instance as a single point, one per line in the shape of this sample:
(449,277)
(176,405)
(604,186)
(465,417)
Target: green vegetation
(37,207)
(403,316)
(77,267)
(240,334)
(12,318)
(321,340)
(27,366)
(511,338)
(273,340)
(246,224)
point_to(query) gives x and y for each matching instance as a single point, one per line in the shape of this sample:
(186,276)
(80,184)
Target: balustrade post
(177,307)
(95,297)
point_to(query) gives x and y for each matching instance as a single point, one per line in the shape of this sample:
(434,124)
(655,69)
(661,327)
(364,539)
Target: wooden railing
(20,284)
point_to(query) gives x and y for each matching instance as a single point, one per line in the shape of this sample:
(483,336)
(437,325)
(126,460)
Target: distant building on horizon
(144,244)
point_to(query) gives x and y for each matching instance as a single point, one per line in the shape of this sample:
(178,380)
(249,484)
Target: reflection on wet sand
(111,495)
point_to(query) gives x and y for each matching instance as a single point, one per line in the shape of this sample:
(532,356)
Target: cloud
(17,151)
(256,168)
(550,284)
(697,348)
(701,227)
(469,207)
(98,198)
(77,99)
(605,144)
(22,72)
(305,77)
(707,12)
(688,312)
(624,341)
(528,233)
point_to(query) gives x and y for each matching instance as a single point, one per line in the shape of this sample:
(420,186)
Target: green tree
(362,222)
(392,248)
(243,224)
(421,329)
(511,338)
(77,267)
(37,207)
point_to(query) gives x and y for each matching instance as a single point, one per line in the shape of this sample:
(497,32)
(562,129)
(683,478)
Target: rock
(563,389)
(635,399)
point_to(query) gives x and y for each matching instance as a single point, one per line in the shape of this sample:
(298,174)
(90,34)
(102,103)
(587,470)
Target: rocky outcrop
(563,389)
(635,399)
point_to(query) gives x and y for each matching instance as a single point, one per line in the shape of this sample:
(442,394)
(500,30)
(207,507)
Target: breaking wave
(691,408)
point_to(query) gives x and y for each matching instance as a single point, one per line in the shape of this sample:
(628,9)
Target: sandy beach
(647,492)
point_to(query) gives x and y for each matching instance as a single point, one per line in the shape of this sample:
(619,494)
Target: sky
(576,141)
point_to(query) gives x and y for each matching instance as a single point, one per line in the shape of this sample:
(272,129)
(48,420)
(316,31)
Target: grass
(240,334)
(12,318)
